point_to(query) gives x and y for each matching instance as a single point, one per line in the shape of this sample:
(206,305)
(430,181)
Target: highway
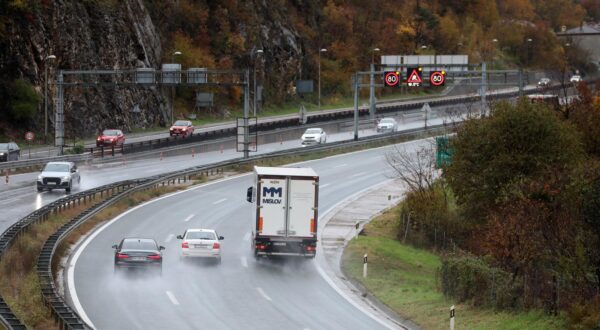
(240,292)
(18,198)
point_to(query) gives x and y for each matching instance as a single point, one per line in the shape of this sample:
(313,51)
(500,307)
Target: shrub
(24,100)
(470,279)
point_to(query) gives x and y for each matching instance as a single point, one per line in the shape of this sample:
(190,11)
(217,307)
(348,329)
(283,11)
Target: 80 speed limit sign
(437,78)
(391,78)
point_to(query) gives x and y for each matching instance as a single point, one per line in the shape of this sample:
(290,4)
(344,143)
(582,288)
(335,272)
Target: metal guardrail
(5,166)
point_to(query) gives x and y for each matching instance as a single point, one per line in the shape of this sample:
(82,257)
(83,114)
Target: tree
(493,155)
(24,101)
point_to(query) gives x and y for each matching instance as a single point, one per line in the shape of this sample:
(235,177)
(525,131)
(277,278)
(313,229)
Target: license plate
(138,258)
(200,246)
(279,243)
(51,183)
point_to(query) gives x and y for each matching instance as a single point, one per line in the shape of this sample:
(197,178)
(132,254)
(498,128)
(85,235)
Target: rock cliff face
(88,35)
(121,35)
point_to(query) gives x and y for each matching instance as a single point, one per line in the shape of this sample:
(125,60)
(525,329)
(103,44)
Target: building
(586,37)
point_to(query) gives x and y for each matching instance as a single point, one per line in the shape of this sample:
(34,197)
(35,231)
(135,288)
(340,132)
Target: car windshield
(138,244)
(3,146)
(313,131)
(110,132)
(56,168)
(201,235)
(387,121)
(180,123)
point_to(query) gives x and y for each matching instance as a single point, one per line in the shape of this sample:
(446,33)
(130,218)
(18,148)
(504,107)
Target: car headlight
(40,177)
(66,178)
(1,154)
(184,129)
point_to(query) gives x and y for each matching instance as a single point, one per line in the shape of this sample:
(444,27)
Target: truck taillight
(216,245)
(185,245)
(312,226)
(260,224)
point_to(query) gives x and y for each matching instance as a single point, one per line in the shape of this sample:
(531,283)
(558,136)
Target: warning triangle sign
(414,77)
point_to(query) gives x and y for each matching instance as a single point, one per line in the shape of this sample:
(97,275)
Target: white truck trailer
(285,213)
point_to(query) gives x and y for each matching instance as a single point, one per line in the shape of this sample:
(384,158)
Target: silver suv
(58,175)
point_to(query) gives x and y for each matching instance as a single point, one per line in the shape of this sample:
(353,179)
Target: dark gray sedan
(9,151)
(138,253)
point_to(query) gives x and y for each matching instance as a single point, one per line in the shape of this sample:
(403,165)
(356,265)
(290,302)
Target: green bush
(24,100)
(470,279)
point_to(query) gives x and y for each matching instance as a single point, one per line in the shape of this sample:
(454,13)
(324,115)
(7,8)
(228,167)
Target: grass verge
(405,279)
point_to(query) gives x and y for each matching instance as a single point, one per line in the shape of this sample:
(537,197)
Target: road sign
(414,77)
(437,78)
(29,136)
(392,78)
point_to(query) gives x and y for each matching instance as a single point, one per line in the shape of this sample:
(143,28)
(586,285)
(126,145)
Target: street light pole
(176,53)
(495,41)
(259,51)
(49,57)
(320,51)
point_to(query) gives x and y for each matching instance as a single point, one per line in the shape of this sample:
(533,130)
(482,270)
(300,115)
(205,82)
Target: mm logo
(272,191)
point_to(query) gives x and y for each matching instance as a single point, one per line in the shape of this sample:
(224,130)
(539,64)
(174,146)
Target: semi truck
(285,211)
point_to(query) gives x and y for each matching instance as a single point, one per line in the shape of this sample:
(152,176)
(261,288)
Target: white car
(575,78)
(544,82)
(58,175)
(201,243)
(314,136)
(387,125)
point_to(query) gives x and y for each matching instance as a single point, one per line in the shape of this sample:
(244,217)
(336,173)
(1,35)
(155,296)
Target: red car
(182,127)
(110,137)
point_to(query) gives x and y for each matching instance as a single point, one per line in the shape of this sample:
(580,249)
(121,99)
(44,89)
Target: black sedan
(138,253)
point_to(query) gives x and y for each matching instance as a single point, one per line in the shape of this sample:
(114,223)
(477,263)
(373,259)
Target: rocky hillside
(125,34)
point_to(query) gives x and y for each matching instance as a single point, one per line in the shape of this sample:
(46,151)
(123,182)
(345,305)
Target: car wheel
(79,180)
(40,189)
(68,189)
(219,260)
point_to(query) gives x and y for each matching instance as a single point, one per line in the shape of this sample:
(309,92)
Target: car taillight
(310,248)
(122,256)
(261,246)
(154,256)
(185,245)
(216,245)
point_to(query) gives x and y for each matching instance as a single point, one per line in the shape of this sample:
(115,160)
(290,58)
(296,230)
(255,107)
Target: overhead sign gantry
(145,77)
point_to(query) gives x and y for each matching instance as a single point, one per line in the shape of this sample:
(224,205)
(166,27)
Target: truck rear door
(302,214)
(271,206)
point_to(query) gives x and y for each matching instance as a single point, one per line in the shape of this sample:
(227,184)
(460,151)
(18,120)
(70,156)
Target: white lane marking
(247,237)
(219,201)
(172,298)
(342,165)
(189,218)
(244,262)
(169,238)
(324,185)
(6,201)
(357,174)
(86,242)
(262,293)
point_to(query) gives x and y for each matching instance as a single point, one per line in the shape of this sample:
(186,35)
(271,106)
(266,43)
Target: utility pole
(372,93)
(258,51)
(49,57)
(483,89)
(355,84)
